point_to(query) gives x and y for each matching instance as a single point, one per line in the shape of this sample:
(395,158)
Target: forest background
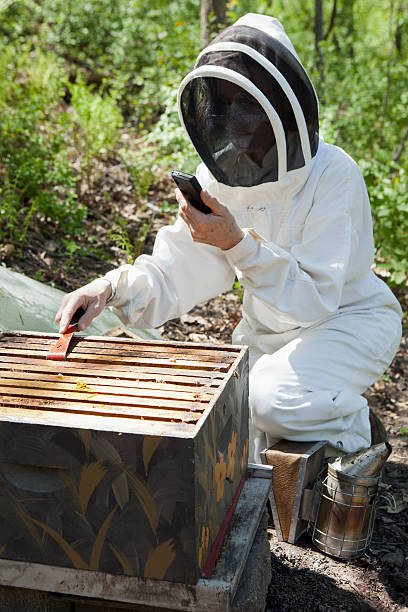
(88,134)
(87,85)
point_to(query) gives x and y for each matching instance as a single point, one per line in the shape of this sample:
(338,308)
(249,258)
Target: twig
(401,145)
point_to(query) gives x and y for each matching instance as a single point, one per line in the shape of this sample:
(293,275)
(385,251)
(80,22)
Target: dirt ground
(303,578)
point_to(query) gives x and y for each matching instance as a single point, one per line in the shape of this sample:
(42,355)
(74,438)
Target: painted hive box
(125,458)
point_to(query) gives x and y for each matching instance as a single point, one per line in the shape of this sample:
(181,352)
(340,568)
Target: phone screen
(189,185)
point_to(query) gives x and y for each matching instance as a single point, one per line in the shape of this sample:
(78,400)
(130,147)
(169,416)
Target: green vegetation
(35,171)
(76,77)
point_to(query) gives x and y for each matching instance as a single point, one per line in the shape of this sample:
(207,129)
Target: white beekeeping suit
(321,327)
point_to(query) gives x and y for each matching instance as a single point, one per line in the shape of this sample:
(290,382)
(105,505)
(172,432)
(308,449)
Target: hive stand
(238,584)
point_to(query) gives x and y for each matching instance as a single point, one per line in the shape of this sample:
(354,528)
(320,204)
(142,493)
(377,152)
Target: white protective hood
(256,59)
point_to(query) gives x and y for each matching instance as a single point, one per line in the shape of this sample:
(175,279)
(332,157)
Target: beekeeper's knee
(269,394)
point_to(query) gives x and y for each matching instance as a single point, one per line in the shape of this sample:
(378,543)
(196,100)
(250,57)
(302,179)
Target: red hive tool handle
(60,349)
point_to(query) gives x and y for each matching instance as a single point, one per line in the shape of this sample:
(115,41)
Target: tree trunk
(213,13)
(346,19)
(318,24)
(318,32)
(330,27)
(398,30)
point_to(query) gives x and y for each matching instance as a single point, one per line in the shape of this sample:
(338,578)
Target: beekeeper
(291,220)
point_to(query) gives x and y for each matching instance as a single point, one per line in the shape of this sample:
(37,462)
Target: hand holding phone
(220,228)
(191,188)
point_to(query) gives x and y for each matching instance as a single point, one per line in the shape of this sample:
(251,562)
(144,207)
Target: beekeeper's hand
(218,228)
(91,298)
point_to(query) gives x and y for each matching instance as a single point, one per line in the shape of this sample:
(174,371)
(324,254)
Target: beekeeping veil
(248,105)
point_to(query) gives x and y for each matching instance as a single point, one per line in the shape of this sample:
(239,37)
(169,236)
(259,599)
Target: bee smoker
(345,499)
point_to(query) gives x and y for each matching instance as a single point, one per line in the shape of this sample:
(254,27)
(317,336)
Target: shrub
(99,120)
(36,174)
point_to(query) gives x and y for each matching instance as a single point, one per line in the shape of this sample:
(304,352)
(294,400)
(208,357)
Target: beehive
(126,458)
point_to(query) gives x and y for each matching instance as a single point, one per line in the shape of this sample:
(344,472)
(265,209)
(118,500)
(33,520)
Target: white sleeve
(179,274)
(304,284)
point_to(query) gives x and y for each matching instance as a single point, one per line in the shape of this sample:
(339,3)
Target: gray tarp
(26,304)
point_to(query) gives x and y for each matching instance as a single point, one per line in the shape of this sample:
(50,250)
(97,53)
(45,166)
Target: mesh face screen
(231,132)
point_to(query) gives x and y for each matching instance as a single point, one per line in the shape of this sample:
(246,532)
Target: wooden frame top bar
(115,383)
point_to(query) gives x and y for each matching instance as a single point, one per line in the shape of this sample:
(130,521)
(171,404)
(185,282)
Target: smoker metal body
(344,515)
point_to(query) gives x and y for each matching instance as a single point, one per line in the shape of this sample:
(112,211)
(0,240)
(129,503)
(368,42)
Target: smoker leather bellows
(296,465)
(126,458)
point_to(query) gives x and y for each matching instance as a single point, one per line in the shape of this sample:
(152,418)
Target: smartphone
(188,184)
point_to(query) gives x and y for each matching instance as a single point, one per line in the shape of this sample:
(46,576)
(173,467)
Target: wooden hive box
(126,458)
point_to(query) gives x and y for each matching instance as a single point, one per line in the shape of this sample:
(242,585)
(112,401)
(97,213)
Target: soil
(303,578)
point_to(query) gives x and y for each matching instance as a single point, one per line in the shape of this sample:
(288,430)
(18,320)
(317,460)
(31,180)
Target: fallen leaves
(6,250)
